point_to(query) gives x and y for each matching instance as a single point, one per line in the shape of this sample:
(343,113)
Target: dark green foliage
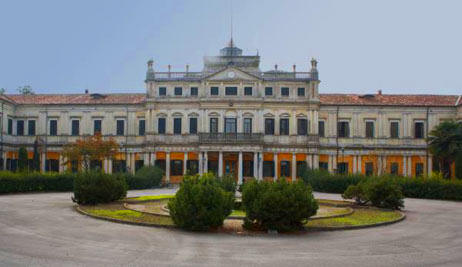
(380,192)
(96,187)
(200,203)
(279,205)
(322,181)
(146,177)
(357,193)
(36,158)
(459,166)
(22,159)
(35,182)
(228,183)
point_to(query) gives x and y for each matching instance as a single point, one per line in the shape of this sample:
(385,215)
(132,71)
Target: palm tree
(445,143)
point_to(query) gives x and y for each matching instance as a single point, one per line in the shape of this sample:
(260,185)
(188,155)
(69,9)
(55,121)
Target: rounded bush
(279,205)
(96,187)
(146,177)
(200,203)
(384,193)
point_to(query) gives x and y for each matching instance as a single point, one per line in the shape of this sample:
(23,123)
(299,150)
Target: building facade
(232,118)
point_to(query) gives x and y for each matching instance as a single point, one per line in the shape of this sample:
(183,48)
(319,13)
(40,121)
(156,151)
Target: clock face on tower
(231,74)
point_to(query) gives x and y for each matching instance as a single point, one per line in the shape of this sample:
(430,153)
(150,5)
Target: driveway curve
(43,229)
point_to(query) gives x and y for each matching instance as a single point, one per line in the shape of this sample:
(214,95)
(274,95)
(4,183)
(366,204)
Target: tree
(445,143)
(25,90)
(90,148)
(36,157)
(22,159)
(2,91)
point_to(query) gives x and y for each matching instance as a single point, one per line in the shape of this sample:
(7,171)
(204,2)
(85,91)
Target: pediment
(232,74)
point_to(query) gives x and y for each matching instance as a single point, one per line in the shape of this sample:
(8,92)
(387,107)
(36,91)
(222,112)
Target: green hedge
(96,187)
(415,187)
(146,177)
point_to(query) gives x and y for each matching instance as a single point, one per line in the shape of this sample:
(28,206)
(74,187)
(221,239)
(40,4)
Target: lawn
(360,217)
(148,198)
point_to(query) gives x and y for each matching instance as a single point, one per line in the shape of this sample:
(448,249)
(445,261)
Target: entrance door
(231,168)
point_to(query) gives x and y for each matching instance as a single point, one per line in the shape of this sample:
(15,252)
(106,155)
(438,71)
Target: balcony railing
(230,138)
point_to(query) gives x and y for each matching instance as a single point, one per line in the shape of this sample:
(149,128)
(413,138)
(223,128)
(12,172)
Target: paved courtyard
(44,230)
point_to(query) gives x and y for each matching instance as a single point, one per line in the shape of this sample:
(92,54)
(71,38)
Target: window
(247,90)
(176,167)
(96,165)
(10,126)
(75,127)
(301,167)
(212,166)
(139,164)
(119,166)
(53,127)
(31,127)
(369,168)
(52,165)
(141,127)
(284,127)
(178,91)
(214,125)
(120,127)
(194,91)
(343,129)
(162,91)
(192,166)
(301,92)
(419,129)
(193,125)
(161,125)
(285,169)
(213,90)
(284,91)
(419,169)
(302,126)
(268,168)
(20,127)
(177,126)
(394,129)
(247,125)
(321,130)
(97,126)
(323,165)
(160,163)
(230,125)
(369,129)
(342,168)
(231,90)
(269,126)
(268,91)
(394,168)
(247,168)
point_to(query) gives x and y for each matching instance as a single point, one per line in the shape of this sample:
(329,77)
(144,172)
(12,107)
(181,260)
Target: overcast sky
(66,46)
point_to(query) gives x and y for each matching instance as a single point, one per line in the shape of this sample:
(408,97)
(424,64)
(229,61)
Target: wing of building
(231,117)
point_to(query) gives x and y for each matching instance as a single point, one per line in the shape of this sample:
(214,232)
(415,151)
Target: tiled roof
(388,100)
(79,99)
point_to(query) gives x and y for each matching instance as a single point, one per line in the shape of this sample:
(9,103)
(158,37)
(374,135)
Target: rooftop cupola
(150,71)
(230,50)
(314,69)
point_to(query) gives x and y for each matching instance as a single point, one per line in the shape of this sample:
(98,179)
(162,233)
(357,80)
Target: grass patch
(330,202)
(360,217)
(325,211)
(238,213)
(147,198)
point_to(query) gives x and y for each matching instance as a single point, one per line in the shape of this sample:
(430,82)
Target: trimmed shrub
(228,183)
(279,205)
(95,187)
(11,182)
(200,203)
(381,192)
(356,192)
(146,177)
(322,181)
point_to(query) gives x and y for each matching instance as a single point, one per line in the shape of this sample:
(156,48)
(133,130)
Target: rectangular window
(10,126)
(120,127)
(302,126)
(301,92)
(193,125)
(75,127)
(285,169)
(268,168)
(161,125)
(214,125)
(53,127)
(342,168)
(284,91)
(419,169)
(162,91)
(369,168)
(192,167)
(194,91)
(139,164)
(247,125)
(394,129)
(301,167)
(97,126)
(268,91)
(176,167)
(230,125)
(141,127)
(20,127)
(269,126)
(323,166)
(369,129)
(176,125)
(321,130)
(214,90)
(247,90)
(178,91)
(343,130)
(284,127)
(160,163)
(419,130)
(394,168)
(231,90)
(247,168)
(31,127)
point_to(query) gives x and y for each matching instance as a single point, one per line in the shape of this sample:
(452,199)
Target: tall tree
(445,143)
(90,148)
(22,159)
(36,158)
(25,90)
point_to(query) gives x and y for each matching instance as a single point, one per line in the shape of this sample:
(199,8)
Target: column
(153,159)
(379,165)
(330,164)
(239,170)
(260,165)
(109,168)
(404,166)
(185,163)
(201,163)
(127,161)
(167,168)
(105,165)
(206,162)
(61,163)
(355,164)
(220,163)
(275,159)
(256,164)
(360,166)
(384,164)
(409,166)
(132,163)
(146,161)
(4,161)
(309,161)
(294,167)
(334,163)
(43,159)
(315,161)
(429,165)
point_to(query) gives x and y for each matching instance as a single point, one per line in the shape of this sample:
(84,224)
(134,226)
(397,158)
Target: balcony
(382,142)
(230,138)
(301,140)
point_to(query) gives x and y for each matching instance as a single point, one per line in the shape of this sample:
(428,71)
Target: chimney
(379,92)
(86,91)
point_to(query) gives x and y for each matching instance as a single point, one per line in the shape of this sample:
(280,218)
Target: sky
(397,46)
